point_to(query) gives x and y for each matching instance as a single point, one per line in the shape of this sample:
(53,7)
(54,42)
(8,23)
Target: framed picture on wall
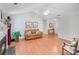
(50,25)
(28,24)
(35,25)
(31,24)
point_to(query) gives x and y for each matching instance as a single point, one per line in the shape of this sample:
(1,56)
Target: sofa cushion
(33,31)
(73,43)
(28,33)
(37,32)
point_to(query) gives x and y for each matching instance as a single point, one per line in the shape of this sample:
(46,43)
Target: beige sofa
(32,34)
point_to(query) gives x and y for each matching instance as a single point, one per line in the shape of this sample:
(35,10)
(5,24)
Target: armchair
(70,47)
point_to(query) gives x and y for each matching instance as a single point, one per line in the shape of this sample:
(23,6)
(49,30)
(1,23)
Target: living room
(39,29)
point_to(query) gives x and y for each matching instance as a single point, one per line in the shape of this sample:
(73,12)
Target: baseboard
(22,37)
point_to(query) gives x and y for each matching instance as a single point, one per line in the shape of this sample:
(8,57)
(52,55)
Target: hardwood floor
(48,45)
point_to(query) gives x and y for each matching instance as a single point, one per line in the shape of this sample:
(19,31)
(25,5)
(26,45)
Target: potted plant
(16,35)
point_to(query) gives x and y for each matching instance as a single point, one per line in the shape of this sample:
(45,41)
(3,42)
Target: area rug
(10,51)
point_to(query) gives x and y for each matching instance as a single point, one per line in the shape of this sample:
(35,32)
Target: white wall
(54,24)
(68,24)
(46,25)
(63,28)
(18,22)
(45,28)
(0,16)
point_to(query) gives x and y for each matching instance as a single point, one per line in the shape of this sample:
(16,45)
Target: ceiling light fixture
(46,12)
